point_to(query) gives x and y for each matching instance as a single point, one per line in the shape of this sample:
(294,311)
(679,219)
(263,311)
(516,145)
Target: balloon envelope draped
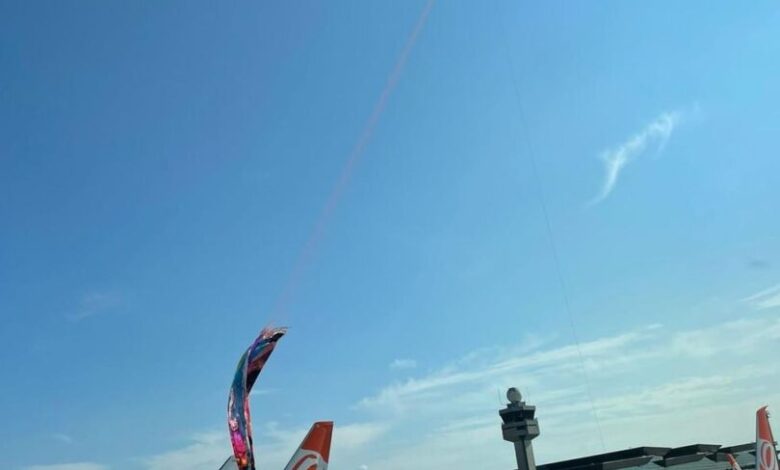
(249,367)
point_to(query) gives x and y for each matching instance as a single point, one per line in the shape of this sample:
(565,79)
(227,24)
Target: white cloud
(69,466)
(478,369)
(354,436)
(650,386)
(273,446)
(403,364)
(767,298)
(615,159)
(441,449)
(94,303)
(64,438)
(206,451)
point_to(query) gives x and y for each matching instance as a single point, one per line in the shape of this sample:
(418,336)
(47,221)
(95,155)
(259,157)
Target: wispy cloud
(403,364)
(357,435)
(207,451)
(767,298)
(647,377)
(604,356)
(656,134)
(94,303)
(651,386)
(64,438)
(477,368)
(70,466)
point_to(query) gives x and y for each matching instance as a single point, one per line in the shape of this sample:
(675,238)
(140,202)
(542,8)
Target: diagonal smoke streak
(310,247)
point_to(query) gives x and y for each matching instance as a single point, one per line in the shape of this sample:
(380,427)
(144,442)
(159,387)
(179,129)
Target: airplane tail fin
(766,454)
(314,452)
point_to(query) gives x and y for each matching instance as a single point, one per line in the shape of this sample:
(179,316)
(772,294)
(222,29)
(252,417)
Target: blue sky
(162,166)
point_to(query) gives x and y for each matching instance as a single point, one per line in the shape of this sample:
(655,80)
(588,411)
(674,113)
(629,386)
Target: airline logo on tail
(314,452)
(766,454)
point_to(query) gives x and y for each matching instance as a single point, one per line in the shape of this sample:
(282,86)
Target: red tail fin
(314,452)
(766,454)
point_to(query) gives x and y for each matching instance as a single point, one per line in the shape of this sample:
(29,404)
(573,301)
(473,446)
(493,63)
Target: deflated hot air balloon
(239,420)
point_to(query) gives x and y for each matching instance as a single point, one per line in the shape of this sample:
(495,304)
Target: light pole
(520,427)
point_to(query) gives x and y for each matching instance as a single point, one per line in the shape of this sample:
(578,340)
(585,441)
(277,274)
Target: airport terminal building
(692,457)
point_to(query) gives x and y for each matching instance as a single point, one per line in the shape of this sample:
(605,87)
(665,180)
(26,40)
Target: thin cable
(309,249)
(548,225)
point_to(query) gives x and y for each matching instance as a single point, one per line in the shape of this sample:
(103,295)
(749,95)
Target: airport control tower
(520,428)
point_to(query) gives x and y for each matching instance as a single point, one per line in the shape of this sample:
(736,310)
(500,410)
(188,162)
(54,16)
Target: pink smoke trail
(309,249)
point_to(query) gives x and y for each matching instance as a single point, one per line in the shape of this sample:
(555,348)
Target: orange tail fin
(314,452)
(766,454)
